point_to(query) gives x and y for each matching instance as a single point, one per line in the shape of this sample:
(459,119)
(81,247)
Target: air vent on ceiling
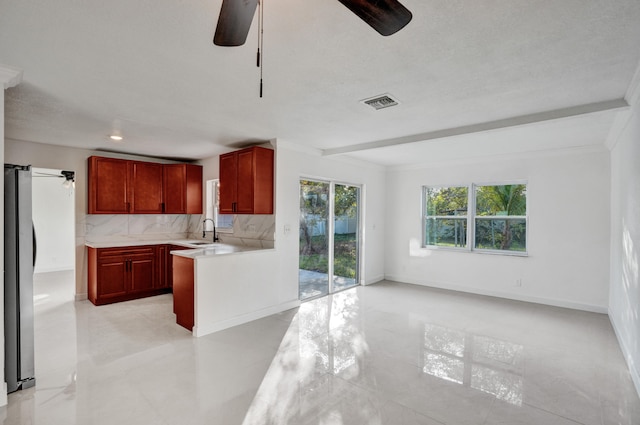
(380,102)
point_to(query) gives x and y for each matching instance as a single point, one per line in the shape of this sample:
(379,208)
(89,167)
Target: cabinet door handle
(162,206)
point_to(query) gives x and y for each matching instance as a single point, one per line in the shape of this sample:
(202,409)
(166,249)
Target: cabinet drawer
(126,251)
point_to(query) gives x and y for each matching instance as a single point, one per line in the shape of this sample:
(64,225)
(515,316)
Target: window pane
(451,232)
(446,201)
(313,259)
(223,221)
(506,234)
(508,199)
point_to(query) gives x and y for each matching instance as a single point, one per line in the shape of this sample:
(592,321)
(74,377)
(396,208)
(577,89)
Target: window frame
(425,216)
(472,217)
(525,217)
(212,188)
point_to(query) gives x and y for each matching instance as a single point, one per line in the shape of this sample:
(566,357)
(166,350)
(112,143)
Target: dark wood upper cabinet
(228,182)
(108,186)
(182,188)
(246,181)
(146,187)
(118,186)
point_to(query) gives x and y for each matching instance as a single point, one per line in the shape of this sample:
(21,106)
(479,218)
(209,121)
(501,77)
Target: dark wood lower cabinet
(126,273)
(169,263)
(183,291)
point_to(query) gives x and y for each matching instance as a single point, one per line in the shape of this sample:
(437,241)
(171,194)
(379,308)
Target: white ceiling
(149,69)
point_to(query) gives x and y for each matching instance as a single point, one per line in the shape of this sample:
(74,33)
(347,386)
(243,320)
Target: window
(501,217)
(488,218)
(446,216)
(224,222)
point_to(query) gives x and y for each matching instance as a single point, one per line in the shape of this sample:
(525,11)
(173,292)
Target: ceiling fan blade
(234,22)
(385,16)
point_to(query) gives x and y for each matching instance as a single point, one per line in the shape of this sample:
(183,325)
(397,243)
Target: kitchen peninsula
(213,284)
(230,286)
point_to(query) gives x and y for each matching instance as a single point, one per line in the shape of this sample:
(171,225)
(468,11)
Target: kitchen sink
(211,247)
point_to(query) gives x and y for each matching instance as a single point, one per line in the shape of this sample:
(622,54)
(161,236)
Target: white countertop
(140,242)
(196,249)
(217,249)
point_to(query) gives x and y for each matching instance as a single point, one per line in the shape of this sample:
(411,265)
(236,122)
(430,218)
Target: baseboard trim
(633,370)
(82,297)
(526,298)
(4,399)
(53,269)
(373,280)
(209,328)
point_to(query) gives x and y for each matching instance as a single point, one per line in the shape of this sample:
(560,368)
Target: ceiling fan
(385,16)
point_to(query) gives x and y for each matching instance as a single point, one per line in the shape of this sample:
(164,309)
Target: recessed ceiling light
(115,137)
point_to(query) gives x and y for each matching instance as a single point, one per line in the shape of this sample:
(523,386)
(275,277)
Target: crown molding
(557,114)
(10,76)
(346,159)
(622,119)
(632,95)
(279,143)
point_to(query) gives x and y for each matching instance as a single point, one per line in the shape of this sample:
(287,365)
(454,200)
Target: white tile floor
(384,354)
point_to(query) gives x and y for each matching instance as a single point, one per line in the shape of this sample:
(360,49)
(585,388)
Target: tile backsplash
(142,224)
(250,230)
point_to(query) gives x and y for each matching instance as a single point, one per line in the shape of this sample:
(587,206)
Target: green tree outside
(502,200)
(314,213)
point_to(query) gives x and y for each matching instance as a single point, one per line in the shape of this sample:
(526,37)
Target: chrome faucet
(215,238)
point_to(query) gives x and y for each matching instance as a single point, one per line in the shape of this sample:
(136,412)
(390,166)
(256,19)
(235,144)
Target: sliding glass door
(329,237)
(345,236)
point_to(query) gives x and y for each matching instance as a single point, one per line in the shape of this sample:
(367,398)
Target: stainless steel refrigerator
(19,248)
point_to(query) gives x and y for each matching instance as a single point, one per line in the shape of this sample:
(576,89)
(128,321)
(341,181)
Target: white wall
(238,288)
(624,296)
(54,221)
(293,164)
(568,259)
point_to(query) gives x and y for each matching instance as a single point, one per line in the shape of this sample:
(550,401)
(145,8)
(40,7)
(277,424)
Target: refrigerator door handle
(35,245)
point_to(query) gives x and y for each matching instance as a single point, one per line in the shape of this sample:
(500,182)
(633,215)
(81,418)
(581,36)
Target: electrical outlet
(287,229)
(518,282)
